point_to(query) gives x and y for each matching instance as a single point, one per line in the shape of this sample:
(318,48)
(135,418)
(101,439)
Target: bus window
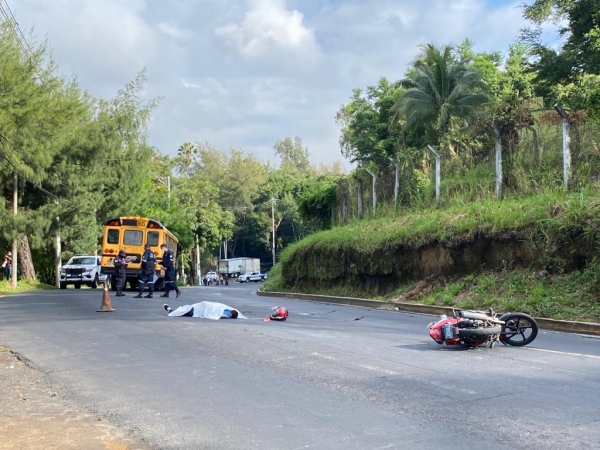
(113,236)
(153,238)
(132,237)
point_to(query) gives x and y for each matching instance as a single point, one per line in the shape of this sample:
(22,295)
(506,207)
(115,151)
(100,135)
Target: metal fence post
(566,141)
(374,190)
(499,174)
(438,174)
(396,182)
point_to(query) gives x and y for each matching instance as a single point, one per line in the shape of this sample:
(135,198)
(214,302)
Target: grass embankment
(550,218)
(22,286)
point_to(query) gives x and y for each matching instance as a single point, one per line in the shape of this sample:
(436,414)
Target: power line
(22,175)
(14,20)
(10,17)
(13,24)
(28,160)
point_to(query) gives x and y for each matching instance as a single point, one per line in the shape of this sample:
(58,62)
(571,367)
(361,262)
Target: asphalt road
(321,380)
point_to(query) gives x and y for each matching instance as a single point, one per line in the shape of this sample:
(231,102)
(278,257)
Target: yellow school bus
(131,234)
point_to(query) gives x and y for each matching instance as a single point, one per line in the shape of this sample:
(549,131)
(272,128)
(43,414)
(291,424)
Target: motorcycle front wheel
(519,329)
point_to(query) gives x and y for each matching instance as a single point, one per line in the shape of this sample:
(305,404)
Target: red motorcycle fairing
(435,331)
(475,328)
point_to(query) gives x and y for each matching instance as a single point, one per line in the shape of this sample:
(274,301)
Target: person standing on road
(168,263)
(7,266)
(120,263)
(148,270)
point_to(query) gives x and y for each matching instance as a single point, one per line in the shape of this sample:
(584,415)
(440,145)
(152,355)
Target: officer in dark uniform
(168,263)
(120,263)
(146,275)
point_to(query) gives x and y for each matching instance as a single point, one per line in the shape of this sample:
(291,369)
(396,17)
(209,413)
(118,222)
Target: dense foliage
(80,160)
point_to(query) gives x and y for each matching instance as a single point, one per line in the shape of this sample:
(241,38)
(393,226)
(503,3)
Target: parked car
(82,270)
(252,276)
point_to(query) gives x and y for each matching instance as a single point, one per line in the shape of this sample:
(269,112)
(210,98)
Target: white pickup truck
(252,276)
(81,269)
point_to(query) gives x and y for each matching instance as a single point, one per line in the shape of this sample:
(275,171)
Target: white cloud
(205,86)
(246,73)
(268,26)
(172,30)
(104,43)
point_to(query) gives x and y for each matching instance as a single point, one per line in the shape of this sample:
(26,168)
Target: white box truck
(234,267)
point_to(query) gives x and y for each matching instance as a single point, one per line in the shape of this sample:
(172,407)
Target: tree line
(70,161)
(459,102)
(74,160)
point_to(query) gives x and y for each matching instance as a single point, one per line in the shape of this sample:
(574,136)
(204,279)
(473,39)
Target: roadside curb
(547,324)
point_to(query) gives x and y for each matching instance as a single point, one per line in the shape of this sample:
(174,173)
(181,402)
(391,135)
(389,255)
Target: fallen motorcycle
(475,328)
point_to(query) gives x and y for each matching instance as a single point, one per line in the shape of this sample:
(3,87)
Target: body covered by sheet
(204,310)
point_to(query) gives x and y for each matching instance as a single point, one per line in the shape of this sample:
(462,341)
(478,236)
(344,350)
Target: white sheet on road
(204,310)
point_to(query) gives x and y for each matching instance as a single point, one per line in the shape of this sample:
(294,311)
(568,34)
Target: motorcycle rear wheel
(515,329)
(479,332)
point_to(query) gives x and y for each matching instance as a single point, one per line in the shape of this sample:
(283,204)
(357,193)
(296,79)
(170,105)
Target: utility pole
(273,225)
(57,261)
(15,244)
(169,190)
(198,267)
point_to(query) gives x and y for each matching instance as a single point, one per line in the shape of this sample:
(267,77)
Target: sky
(247,73)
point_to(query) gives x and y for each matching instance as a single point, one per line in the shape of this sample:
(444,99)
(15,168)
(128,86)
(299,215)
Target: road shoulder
(33,416)
(565,326)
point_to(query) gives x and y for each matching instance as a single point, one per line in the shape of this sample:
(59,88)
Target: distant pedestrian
(120,263)
(168,263)
(226,280)
(147,273)
(7,265)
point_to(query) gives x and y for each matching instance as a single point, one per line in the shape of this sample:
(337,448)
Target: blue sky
(246,73)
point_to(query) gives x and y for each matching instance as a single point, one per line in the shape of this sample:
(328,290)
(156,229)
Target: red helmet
(279,312)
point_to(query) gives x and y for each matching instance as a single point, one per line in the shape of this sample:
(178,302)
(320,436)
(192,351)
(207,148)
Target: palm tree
(186,152)
(438,89)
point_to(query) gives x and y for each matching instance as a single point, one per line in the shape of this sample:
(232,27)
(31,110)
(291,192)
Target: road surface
(331,377)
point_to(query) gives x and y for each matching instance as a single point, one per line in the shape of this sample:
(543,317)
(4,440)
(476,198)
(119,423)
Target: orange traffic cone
(106,304)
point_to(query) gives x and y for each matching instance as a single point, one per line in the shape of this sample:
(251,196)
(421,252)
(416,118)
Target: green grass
(536,218)
(574,296)
(554,217)
(564,297)
(23,286)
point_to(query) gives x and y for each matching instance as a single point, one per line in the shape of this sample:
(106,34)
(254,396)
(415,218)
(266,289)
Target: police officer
(146,275)
(120,263)
(168,263)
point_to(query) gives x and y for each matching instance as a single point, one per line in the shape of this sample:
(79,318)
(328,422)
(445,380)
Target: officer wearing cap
(120,263)
(168,263)
(147,272)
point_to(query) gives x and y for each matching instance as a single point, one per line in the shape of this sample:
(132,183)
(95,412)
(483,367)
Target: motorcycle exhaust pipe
(479,316)
(474,315)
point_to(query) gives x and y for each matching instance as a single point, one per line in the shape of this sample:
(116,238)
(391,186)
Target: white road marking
(562,353)
(321,356)
(378,369)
